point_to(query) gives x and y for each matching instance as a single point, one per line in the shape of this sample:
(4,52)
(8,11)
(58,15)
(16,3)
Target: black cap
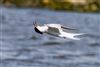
(38,30)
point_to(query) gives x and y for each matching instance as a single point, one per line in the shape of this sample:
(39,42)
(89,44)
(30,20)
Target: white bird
(56,30)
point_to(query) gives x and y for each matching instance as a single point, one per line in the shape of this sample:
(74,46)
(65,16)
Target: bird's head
(36,29)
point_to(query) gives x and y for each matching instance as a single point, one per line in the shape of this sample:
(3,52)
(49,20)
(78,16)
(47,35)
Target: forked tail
(72,36)
(76,36)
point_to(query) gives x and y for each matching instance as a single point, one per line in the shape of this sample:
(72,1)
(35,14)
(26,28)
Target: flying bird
(56,30)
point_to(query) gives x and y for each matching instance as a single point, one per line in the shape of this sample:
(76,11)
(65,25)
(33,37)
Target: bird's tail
(74,36)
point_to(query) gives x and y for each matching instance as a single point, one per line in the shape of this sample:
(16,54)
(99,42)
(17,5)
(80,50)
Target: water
(22,47)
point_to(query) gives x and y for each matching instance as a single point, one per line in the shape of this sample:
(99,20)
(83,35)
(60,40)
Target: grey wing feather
(52,34)
(67,28)
(53,30)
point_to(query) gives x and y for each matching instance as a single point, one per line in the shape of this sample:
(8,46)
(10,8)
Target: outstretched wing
(53,31)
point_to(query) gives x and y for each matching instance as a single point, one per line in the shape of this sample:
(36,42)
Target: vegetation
(88,6)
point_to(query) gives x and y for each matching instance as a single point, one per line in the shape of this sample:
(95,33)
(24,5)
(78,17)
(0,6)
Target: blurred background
(69,5)
(21,46)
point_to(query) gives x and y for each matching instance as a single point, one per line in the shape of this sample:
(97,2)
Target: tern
(56,30)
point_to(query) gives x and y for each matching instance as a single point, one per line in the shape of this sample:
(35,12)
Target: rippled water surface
(22,47)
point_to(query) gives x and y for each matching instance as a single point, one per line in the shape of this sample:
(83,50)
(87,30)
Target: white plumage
(56,30)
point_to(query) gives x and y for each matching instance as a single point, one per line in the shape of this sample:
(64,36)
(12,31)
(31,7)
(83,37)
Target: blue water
(21,46)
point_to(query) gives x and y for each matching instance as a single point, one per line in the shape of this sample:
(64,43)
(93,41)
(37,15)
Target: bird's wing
(52,34)
(68,28)
(53,30)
